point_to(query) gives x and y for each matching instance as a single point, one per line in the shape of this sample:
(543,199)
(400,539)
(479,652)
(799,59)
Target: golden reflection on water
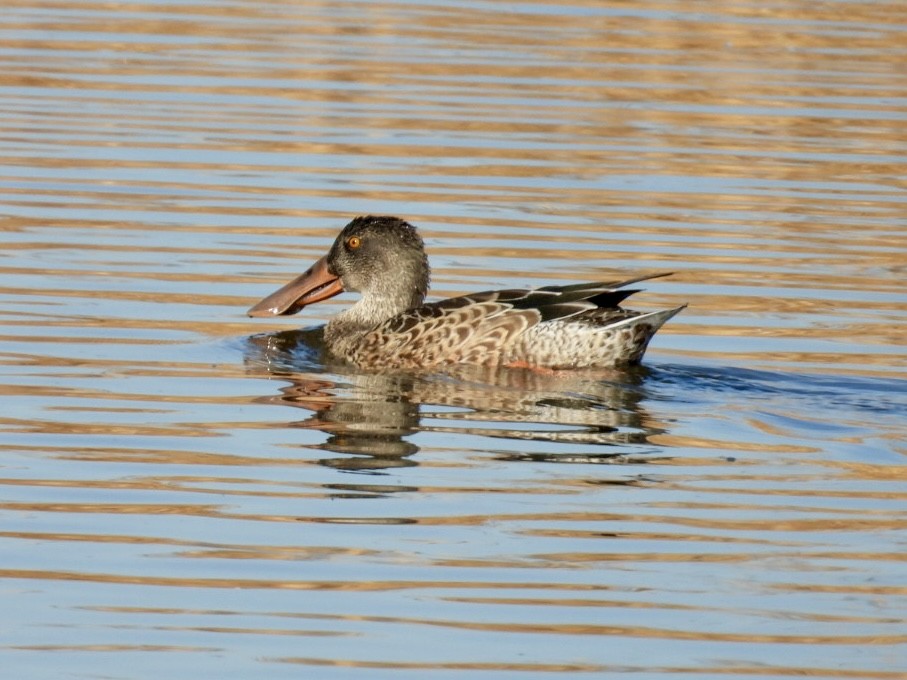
(739,500)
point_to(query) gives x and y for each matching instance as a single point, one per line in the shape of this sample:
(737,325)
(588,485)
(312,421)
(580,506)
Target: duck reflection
(373,415)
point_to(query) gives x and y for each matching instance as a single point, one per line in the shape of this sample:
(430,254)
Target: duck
(392,327)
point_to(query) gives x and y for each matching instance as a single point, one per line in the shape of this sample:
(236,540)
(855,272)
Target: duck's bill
(313,286)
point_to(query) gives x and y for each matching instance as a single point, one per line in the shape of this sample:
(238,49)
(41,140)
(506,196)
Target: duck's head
(381,257)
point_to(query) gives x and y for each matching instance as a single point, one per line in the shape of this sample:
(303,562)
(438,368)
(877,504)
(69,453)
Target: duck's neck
(346,329)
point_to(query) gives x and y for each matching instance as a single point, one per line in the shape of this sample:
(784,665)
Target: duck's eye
(353,242)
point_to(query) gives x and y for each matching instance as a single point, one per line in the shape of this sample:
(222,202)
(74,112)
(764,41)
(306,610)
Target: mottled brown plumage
(390,326)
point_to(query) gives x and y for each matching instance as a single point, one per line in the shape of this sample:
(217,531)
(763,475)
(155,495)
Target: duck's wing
(474,328)
(544,304)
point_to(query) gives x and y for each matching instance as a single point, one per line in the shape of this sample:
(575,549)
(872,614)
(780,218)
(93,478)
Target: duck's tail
(636,331)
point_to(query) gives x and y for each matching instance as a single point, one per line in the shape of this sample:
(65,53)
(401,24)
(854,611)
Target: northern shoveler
(391,325)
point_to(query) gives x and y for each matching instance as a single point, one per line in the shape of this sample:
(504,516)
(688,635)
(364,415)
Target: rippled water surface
(186,492)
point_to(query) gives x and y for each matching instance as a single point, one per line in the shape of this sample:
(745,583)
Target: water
(189,492)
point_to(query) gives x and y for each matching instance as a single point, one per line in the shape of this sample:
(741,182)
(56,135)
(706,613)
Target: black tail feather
(612,298)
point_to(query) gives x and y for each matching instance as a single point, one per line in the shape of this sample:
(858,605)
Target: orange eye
(353,242)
